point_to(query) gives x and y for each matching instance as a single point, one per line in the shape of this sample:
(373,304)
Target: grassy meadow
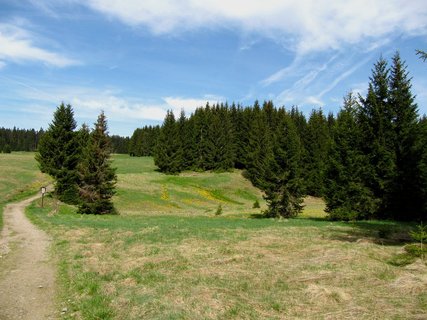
(168,256)
(19,177)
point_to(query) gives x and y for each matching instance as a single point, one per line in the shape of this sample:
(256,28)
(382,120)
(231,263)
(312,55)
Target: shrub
(401,260)
(218,211)
(420,234)
(342,214)
(7,149)
(256,204)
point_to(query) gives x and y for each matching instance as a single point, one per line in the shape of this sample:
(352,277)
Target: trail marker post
(43,191)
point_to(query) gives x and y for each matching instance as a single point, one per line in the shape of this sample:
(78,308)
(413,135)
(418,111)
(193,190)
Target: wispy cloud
(319,78)
(343,76)
(17,45)
(88,102)
(307,26)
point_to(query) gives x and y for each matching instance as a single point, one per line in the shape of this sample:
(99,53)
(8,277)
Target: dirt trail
(27,275)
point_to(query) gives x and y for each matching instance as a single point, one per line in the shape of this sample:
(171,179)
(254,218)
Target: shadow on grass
(391,233)
(257,216)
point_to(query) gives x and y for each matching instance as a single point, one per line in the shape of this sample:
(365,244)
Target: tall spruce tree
(168,154)
(59,153)
(284,186)
(97,177)
(346,195)
(422,166)
(316,143)
(404,199)
(376,123)
(259,148)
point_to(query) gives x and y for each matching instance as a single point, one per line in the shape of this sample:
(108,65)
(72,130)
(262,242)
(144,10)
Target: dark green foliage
(168,153)
(258,149)
(240,120)
(346,195)
(256,204)
(422,54)
(377,160)
(422,164)
(218,211)
(404,200)
(317,143)
(119,144)
(284,186)
(97,177)
(143,141)
(376,124)
(7,149)
(19,139)
(59,153)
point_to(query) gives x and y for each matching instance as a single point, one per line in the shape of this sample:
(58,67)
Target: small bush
(7,149)
(416,250)
(256,204)
(218,211)
(342,214)
(401,260)
(420,235)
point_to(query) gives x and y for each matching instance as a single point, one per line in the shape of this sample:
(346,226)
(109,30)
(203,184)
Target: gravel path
(27,274)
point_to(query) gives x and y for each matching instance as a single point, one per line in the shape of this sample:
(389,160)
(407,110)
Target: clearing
(167,256)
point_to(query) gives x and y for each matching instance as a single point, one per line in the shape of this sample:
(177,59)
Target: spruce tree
(376,124)
(59,153)
(168,151)
(422,167)
(316,143)
(284,186)
(258,150)
(97,177)
(404,199)
(346,195)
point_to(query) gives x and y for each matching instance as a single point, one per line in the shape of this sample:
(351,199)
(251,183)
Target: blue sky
(136,59)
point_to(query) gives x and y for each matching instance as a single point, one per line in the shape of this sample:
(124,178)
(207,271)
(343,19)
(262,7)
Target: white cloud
(307,25)
(189,105)
(88,102)
(16,44)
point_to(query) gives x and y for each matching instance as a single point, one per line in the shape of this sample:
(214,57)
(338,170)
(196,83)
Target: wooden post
(43,190)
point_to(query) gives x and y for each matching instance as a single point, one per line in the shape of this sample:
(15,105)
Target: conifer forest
(367,161)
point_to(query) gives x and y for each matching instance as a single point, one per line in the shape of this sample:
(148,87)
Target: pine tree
(316,144)
(346,196)
(422,166)
(59,153)
(284,186)
(7,149)
(376,124)
(404,199)
(422,54)
(168,152)
(97,177)
(258,151)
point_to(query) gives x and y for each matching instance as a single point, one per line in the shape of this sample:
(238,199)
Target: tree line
(19,139)
(79,162)
(368,161)
(28,140)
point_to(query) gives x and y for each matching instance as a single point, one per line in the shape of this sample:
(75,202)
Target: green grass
(167,256)
(144,191)
(19,178)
